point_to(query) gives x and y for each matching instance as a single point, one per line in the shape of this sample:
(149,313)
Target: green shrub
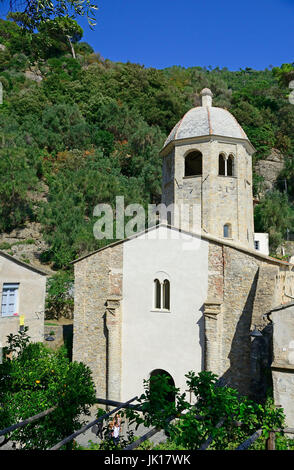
(35,379)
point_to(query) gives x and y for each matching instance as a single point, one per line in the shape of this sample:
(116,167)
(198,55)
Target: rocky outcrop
(287,250)
(34,75)
(269,169)
(25,243)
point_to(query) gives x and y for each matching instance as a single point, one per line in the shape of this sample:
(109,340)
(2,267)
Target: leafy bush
(219,413)
(36,379)
(274,215)
(59,298)
(17,177)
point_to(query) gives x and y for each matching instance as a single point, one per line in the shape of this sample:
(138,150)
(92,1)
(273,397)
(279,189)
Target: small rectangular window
(227,231)
(9,299)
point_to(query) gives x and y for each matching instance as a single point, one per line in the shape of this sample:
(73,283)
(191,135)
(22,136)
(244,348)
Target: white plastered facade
(176,338)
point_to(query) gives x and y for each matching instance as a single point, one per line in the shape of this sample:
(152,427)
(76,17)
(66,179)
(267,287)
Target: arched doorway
(170,397)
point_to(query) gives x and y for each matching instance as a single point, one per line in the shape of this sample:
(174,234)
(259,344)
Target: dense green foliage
(37,13)
(218,414)
(59,298)
(92,129)
(33,380)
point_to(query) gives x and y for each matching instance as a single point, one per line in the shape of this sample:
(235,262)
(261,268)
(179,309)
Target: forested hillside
(79,129)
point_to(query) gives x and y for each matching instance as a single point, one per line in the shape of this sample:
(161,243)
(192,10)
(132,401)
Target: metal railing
(92,423)
(270,443)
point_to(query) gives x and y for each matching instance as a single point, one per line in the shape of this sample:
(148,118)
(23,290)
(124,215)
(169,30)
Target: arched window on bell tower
(221,165)
(193,163)
(230,165)
(225,165)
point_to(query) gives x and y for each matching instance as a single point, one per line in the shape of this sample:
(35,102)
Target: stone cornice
(113,304)
(212,307)
(208,138)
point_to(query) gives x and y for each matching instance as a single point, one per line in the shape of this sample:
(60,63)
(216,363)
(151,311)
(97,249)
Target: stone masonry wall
(98,278)
(221,199)
(247,288)
(283,359)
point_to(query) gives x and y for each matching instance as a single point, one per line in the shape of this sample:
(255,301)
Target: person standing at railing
(115,429)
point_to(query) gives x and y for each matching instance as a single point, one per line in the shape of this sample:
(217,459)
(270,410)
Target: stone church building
(174,300)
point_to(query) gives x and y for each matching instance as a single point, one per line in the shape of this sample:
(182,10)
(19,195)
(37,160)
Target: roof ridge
(24,264)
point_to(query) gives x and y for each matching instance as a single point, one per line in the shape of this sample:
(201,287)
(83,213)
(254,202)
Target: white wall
(262,238)
(172,341)
(31,300)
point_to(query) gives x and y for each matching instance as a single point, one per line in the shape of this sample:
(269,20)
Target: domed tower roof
(207,120)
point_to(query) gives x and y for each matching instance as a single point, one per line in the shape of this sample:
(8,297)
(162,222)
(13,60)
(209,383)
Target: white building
(261,243)
(22,290)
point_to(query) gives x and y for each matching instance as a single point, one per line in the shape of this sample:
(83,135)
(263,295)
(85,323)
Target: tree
(35,379)
(62,29)
(78,181)
(284,74)
(219,413)
(274,215)
(287,175)
(52,38)
(40,11)
(59,298)
(17,177)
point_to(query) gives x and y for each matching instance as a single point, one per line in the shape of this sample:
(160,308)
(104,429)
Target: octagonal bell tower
(207,170)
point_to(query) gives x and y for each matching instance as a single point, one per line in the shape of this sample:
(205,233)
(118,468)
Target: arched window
(227,231)
(221,165)
(230,165)
(225,165)
(162,294)
(166,294)
(193,164)
(157,294)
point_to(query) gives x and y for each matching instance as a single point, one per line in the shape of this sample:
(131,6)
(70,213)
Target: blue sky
(224,33)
